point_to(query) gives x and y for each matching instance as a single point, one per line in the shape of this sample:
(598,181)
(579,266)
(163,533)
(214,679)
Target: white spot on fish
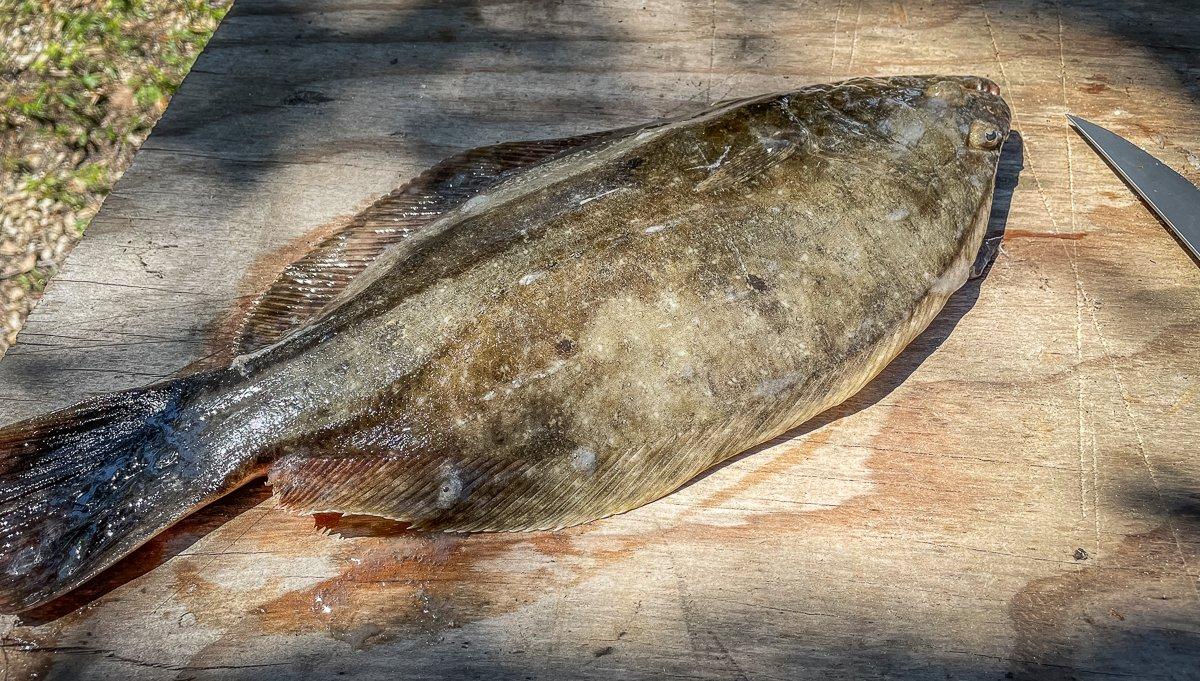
(23,561)
(863,327)
(600,195)
(474,202)
(905,128)
(772,144)
(787,111)
(239,365)
(897,215)
(772,387)
(654,229)
(451,486)
(583,460)
(530,278)
(715,164)
(548,371)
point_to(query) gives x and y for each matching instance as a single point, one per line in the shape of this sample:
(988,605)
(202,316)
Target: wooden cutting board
(1016,496)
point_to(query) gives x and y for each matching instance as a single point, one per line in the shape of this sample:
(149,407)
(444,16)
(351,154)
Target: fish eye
(984,135)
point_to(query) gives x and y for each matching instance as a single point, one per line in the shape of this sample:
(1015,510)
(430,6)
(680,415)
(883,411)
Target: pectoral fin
(751,160)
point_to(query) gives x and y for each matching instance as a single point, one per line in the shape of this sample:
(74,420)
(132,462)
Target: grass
(82,82)
(33,281)
(71,187)
(100,80)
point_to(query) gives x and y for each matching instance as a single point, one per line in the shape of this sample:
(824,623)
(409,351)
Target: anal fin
(424,491)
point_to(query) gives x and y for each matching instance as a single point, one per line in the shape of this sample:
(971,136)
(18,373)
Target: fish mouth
(1001,113)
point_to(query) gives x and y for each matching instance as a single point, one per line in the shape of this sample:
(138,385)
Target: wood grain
(1016,495)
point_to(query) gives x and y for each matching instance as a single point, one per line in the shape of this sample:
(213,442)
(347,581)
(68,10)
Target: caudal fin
(82,487)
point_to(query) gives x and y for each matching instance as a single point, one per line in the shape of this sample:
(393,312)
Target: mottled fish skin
(593,333)
(577,340)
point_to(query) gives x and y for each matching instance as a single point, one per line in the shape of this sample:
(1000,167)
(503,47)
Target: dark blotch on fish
(564,346)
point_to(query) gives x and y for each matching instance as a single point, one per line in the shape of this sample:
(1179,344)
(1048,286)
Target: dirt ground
(82,83)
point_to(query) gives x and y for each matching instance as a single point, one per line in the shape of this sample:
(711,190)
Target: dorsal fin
(308,284)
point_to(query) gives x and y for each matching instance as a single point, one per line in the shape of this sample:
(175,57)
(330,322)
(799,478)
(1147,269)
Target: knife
(1173,199)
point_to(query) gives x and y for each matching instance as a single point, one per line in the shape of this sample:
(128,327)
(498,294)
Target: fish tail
(82,487)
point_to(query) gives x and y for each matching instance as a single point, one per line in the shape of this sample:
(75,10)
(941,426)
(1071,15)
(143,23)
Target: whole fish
(539,334)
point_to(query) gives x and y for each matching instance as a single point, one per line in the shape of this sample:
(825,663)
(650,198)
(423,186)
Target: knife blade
(1175,200)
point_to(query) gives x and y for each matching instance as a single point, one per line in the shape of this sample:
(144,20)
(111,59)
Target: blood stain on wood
(403,583)
(1095,84)
(347,526)
(418,584)
(771,468)
(555,544)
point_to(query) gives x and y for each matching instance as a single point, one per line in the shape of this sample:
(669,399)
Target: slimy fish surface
(539,334)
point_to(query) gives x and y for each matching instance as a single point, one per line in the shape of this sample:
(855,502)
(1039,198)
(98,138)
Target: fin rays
(313,281)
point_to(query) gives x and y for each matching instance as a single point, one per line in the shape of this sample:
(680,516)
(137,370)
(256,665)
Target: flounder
(538,334)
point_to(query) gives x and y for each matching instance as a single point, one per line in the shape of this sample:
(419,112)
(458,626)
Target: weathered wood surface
(1018,494)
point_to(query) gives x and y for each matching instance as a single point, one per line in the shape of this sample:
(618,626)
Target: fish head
(969,105)
(945,119)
